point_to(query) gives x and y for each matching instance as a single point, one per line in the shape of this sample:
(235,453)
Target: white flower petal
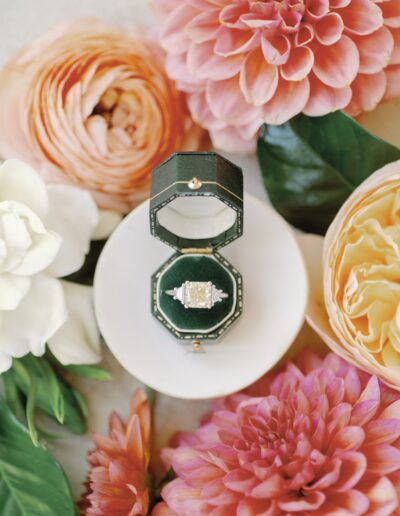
(30,247)
(78,340)
(38,316)
(19,182)
(74,216)
(108,221)
(12,290)
(5,362)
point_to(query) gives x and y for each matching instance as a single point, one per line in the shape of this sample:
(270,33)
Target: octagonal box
(196,207)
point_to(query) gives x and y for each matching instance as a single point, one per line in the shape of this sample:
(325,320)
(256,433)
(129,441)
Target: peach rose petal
(101,118)
(361,277)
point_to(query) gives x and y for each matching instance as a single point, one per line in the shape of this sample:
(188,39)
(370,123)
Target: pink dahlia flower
(245,62)
(118,482)
(322,439)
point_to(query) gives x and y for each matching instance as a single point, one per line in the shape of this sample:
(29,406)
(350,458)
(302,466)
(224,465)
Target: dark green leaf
(311,165)
(47,401)
(31,482)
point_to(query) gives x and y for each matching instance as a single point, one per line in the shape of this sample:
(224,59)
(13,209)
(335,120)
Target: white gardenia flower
(45,233)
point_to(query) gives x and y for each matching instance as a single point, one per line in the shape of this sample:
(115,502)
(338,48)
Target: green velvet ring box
(196,207)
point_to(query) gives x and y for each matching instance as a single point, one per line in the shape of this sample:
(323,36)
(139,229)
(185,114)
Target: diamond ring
(197,294)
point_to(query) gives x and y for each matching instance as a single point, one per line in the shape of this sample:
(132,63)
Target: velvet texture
(196,268)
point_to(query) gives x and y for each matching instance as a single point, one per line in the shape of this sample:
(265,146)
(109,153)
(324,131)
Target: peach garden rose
(244,62)
(90,104)
(357,312)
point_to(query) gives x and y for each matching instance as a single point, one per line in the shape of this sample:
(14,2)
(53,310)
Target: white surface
(275,295)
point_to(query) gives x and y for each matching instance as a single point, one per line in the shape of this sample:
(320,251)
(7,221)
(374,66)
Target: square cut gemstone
(198,294)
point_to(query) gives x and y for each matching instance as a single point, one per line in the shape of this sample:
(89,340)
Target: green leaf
(311,165)
(30,410)
(55,401)
(88,371)
(11,392)
(32,483)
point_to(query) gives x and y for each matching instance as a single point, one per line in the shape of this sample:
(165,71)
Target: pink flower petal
(382,459)
(276,50)
(299,64)
(185,460)
(324,99)
(252,507)
(203,63)
(337,65)
(231,140)
(316,9)
(351,502)
(258,79)
(354,465)
(368,90)
(295,503)
(178,70)
(162,509)
(329,29)
(234,41)
(240,480)
(184,499)
(270,488)
(382,496)
(172,38)
(230,15)
(289,100)
(362,17)
(339,3)
(392,411)
(227,102)
(304,35)
(217,494)
(204,26)
(348,438)
(375,50)
(381,431)
(395,57)
(391,13)
(330,474)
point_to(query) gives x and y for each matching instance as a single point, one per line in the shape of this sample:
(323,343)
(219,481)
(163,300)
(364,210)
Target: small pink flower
(245,62)
(118,479)
(323,439)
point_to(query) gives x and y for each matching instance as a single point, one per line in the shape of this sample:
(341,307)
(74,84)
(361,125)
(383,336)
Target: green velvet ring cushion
(196,268)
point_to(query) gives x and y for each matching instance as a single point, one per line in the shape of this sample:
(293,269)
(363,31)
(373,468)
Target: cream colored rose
(90,104)
(359,313)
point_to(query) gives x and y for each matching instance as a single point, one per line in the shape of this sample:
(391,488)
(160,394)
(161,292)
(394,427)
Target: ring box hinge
(197,250)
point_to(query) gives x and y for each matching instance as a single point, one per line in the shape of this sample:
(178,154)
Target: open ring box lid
(196,207)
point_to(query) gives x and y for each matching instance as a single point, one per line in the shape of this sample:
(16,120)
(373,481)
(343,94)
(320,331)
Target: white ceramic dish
(275,297)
